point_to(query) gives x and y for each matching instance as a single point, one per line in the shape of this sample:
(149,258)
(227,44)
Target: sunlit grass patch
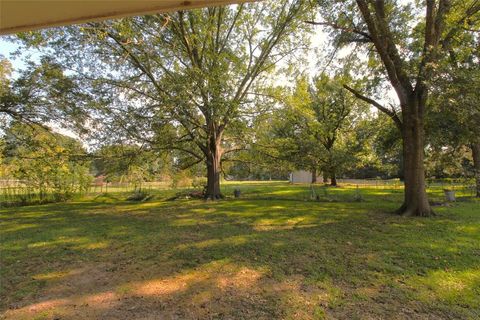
(94,246)
(53,275)
(17,227)
(460,288)
(59,241)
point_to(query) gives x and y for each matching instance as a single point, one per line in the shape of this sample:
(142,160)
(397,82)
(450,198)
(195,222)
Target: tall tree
(408,49)
(332,109)
(183,80)
(311,129)
(292,136)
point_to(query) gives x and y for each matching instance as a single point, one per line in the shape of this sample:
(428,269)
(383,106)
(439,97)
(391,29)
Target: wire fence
(19,193)
(463,186)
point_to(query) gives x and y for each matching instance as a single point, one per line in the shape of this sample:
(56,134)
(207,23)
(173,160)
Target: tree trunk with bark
(213,177)
(411,92)
(413,138)
(415,195)
(401,166)
(333,178)
(314,175)
(324,177)
(213,161)
(476,165)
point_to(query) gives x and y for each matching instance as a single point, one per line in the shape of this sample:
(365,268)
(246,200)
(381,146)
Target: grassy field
(273,254)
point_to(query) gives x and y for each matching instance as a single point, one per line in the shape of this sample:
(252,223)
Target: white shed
(302,176)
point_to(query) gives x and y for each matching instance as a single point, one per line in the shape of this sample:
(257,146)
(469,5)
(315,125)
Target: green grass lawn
(273,254)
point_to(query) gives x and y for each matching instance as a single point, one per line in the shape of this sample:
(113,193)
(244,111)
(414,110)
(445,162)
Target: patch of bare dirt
(213,291)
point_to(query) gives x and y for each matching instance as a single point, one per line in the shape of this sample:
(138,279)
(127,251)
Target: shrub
(180,180)
(199,182)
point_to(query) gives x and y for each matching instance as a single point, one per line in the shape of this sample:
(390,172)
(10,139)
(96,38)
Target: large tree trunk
(476,164)
(213,175)
(401,166)
(324,177)
(333,178)
(314,175)
(213,153)
(415,197)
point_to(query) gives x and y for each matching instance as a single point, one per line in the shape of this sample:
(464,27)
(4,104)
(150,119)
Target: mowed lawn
(273,254)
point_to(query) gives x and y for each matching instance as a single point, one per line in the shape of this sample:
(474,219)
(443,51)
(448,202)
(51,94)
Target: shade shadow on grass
(238,259)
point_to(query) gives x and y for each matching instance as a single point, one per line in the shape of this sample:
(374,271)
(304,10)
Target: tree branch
(391,113)
(355,30)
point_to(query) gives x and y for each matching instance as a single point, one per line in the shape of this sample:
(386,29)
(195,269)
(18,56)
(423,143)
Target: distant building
(302,176)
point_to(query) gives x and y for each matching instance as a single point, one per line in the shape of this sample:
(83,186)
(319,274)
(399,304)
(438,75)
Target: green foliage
(315,129)
(454,112)
(405,50)
(45,162)
(387,146)
(180,179)
(188,81)
(5,74)
(130,164)
(199,183)
(42,94)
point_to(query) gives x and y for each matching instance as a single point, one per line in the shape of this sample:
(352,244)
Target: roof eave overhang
(26,15)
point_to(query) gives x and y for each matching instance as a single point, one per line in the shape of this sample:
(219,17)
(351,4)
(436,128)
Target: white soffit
(26,15)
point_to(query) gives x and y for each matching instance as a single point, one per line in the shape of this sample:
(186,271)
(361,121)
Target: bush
(199,182)
(180,180)
(62,197)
